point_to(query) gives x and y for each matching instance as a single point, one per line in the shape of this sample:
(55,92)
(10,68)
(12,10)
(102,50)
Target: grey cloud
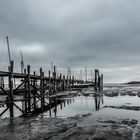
(102,34)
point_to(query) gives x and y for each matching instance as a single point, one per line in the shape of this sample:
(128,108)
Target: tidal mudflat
(115,115)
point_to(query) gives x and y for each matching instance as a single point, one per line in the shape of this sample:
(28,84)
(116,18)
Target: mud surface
(134,108)
(99,118)
(68,129)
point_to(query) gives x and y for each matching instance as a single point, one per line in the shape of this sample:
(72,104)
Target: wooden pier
(38,91)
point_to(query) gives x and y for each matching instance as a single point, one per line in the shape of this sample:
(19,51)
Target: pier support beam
(34,93)
(54,75)
(42,89)
(29,89)
(96,80)
(11,107)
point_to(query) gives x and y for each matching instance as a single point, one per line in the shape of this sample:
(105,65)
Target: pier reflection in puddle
(98,101)
(67,107)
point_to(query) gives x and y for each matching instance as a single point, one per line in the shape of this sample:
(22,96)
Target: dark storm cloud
(96,33)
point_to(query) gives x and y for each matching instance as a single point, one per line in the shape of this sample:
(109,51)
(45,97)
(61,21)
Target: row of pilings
(37,91)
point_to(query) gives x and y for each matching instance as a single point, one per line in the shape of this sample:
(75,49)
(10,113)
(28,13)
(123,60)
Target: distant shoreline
(133,82)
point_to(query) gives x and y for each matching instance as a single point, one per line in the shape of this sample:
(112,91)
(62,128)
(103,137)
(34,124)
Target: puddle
(75,105)
(95,106)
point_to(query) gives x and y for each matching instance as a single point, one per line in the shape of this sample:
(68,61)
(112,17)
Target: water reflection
(11,125)
(98,101)
(62,102)
(66,107)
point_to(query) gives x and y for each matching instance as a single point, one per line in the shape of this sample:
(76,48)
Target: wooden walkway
(38,91)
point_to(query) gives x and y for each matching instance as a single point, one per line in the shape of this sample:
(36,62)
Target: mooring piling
(11,87)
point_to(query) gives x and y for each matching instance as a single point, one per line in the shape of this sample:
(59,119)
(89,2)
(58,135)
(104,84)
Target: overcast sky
(103,34)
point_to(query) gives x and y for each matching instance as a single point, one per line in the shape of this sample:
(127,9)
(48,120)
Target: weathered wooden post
(49,83)
(41,88)
(26,93)
(95,83)
(43,95)
(67,82)
(24,71)
(35,92)
(29,89)
(72,81)
(54,74)
(2,82)
(60,82)
(11,107)
(64,83)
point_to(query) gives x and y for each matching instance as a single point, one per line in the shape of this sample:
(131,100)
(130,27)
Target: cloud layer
(96,33)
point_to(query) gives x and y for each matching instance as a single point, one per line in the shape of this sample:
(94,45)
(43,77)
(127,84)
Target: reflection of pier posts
(55,109)
(64,103)
(101,82)
(98,101)
(61,107)
(2,82)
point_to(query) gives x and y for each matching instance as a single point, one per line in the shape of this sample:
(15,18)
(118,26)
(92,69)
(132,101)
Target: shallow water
(95,106)
(83,105)
(89,104)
